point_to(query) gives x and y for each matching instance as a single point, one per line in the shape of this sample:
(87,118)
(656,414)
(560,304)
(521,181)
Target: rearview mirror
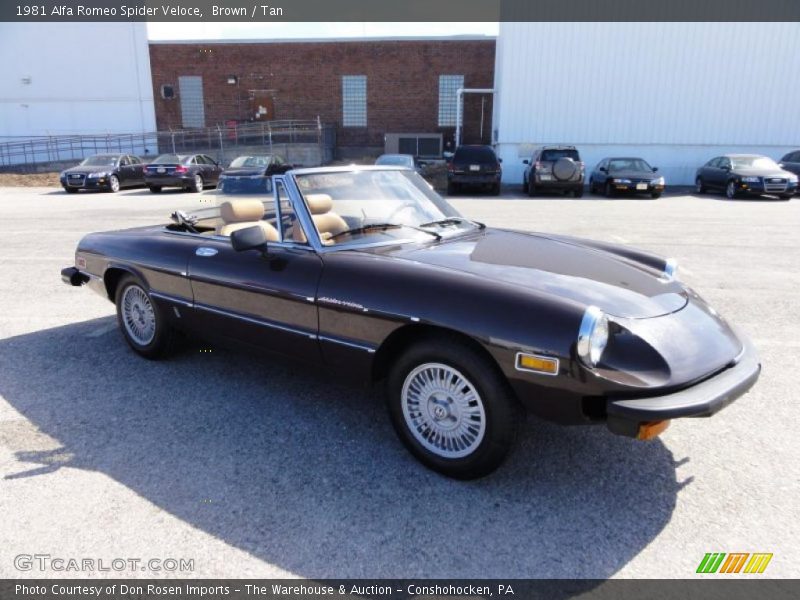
(249,238)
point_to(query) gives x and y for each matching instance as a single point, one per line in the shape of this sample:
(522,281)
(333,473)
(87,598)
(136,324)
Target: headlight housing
(751,179)
(97,175)
(658,181)
(592,336)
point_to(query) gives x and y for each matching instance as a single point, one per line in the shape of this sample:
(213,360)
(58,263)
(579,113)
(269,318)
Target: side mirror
(725,168)
(603,170)
(499,160)
(655,169)
(526,162)
(249,238)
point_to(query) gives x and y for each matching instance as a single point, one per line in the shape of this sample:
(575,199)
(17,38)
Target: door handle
(203,251)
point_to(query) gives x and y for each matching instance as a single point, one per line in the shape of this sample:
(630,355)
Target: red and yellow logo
(734,562)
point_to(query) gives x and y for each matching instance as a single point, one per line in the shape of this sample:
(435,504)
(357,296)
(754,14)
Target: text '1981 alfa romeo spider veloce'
(368,272)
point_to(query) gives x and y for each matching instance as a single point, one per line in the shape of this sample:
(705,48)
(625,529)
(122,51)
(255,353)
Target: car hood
(567,268)
(762,173)
(628,174)
(90,169)
(244,172)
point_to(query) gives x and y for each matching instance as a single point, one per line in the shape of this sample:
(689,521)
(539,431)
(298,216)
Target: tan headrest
(240,211)
(319,204)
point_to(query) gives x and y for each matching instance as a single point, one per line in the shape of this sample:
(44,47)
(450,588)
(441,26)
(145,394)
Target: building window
(354,100)
(192,106)
(448,86)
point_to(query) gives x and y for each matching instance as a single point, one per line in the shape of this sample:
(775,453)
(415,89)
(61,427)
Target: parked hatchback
(192,172)
(474,166)
(745,175)
(554,168)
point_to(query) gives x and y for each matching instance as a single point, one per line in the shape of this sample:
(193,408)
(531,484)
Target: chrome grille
(775,184)
(76,179)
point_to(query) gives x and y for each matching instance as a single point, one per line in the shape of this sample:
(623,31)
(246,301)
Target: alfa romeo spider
(366,271)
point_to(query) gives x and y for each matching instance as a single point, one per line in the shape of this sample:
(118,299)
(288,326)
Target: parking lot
(253,468)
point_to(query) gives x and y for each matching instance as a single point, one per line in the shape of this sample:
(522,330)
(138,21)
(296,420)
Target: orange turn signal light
(648,431)
(539,364)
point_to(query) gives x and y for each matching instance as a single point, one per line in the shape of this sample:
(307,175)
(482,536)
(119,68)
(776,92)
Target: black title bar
(397,10)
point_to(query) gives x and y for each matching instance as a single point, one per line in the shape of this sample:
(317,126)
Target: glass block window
(192,107)
(448,86)
(354,100)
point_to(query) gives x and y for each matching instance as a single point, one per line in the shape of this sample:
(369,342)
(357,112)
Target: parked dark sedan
(108,172)
(252,174)
(474,166)
(791,163)
(192,172)
(745,175)
(615,176)
(367,272)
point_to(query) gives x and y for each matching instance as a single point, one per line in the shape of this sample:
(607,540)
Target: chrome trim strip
(256,321)
(169,298)
(325,338)
(523,369)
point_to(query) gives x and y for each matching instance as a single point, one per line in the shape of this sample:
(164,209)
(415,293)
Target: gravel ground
(253,468)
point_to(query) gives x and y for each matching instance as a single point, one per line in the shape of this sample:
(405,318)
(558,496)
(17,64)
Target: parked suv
(473,166)
(554,168)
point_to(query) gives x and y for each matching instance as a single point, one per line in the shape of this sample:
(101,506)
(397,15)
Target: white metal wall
(75,78)
(676,94)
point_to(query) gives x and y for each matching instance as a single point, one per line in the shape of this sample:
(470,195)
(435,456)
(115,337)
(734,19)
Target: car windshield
(628,164)
(556,153)
(374,205)
(249,161)
(476,154)
(100,160)
(753,162)
(169,159)
(399,160)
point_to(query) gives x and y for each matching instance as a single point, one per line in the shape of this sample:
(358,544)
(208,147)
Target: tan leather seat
(327,222)
(240,214)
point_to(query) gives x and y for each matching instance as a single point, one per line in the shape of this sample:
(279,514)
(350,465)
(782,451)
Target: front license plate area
(641,186)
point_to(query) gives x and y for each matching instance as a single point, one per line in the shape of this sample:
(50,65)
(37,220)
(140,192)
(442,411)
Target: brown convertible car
(367,271)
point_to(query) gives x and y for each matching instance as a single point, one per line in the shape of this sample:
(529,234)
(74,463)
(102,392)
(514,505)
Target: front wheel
(608,190)
(730,190)
(142,324)
(699,186)
(451,408)
(786,196)
(155,189)
(495,189)
(113,184)
(577,192)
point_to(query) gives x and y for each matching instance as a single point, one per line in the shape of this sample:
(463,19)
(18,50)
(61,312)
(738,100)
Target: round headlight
(670,269)
(592,336)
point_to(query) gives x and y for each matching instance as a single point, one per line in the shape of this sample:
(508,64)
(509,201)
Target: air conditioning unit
(167,92)
(423,145)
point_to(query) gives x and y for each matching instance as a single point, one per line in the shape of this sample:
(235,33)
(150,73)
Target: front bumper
(94,183)
(558,184)
(634,188)
(759,188)
(626,415)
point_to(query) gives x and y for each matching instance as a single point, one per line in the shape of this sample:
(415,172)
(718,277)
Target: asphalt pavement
(255,468)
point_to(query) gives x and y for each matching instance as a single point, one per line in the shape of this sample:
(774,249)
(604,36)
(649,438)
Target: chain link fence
(32,154)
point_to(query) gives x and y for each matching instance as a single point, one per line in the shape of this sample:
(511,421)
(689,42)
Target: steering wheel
(400,208)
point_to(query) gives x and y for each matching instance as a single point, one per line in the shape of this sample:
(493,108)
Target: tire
(142,324)
(531,189)
(577,192)
(113,184)
(495,190)
(591,186)
(197,185)
(655,195)
(730,190)
(786,196)
(493,407)
(524,186)
(155,189)
(608,191)
(70,190)
(451,188)
(699,186)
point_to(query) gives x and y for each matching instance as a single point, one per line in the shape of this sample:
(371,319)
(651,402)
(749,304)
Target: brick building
(367,88)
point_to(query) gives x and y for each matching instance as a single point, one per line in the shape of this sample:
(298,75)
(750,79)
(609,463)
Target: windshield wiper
(454,221)
(384,226)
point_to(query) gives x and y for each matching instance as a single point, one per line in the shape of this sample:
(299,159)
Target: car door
(722,172)
(137,170)
(711,172)
(213,169)
(265,301)
(600,174)
(125,171)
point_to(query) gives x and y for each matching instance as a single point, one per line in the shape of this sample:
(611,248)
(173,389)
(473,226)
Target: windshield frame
(304,214)
(736,164)
(116,158)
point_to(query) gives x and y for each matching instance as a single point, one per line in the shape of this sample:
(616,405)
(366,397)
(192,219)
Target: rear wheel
(699,186)
(156,189)
(531,189)
(730,190)
(197,184)
(113,184)
(655,195)
(143,326)
(495,189)
(451,408)
(577,192)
